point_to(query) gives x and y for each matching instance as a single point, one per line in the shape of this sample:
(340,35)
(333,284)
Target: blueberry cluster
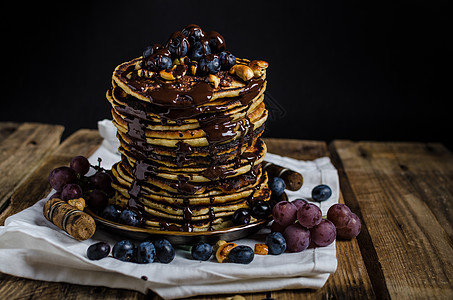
(126,216)
(207,49)
(125,250)
(259,209)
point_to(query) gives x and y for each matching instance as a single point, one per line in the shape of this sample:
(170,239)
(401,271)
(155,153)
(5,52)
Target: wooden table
(402,192)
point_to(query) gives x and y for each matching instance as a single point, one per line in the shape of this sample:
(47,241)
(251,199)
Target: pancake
(190,137)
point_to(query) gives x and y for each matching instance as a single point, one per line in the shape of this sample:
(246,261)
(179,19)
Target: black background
(338,70)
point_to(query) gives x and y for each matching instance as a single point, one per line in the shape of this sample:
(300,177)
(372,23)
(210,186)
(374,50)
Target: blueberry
(241,216)
(129,217)
(209,64)
(151,50)
(216,41)
(241,255)
(124,250)
(158,60)
(277,186)
(178,44)
(321,192)
(276,243)
(145,253)
(200,49)
(111,212)
(193,32)
(164,251)
(260,209)
(98,251)
(201,251)
(227,60)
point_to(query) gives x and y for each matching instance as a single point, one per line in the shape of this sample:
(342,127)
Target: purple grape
(97,200)
(351,230)
(284,213)
(101,181)
(309,215)
(276,227)
(299,202)
(297,238)
(80,165)
(323,234)
(61,176)
(339,214)
(71,191)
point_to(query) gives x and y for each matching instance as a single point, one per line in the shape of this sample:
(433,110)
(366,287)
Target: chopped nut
(214,80)
(167,74)
(260,63)
(222,252)
(258,67)
(129,75)
(177,71)
(193,68)
(77,203)
(138,65)
(181,61)
(261,249)
(218,244)
(145,73)
(242,71)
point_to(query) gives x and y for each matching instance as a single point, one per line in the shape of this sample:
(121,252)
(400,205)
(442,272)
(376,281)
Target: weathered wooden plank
(403,192)
(7,128)
(304,150)
(351,280)
(21,151)
(35,187)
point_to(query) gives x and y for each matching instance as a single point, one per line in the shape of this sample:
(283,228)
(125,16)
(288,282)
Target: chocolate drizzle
(178,101)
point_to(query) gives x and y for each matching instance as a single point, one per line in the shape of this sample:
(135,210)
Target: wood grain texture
(35,187)
(350,281)
(22,149)
(403,192)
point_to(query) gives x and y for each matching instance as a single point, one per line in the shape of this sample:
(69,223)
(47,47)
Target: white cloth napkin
(32,247)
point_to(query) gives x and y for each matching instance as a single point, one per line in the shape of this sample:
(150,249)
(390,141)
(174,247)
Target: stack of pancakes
(190,147)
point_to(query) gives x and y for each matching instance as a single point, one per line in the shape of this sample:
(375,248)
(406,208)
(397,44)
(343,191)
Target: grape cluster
(125,250)
(72,183)
(302,225)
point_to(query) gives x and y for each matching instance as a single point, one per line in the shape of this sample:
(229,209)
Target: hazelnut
(181,61)
(145,73)
(261,249)
(193,68)
(173,73)
(242,71)
(167,74)
(259,63)
(223,251)
(77,203)
(258,67)
(214,80)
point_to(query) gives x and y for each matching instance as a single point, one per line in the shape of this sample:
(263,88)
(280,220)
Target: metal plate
(179,237)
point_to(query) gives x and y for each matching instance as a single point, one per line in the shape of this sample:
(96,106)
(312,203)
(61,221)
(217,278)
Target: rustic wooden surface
(403,193)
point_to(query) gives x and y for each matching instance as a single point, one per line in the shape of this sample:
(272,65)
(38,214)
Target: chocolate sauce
(178,101)
(217,172)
